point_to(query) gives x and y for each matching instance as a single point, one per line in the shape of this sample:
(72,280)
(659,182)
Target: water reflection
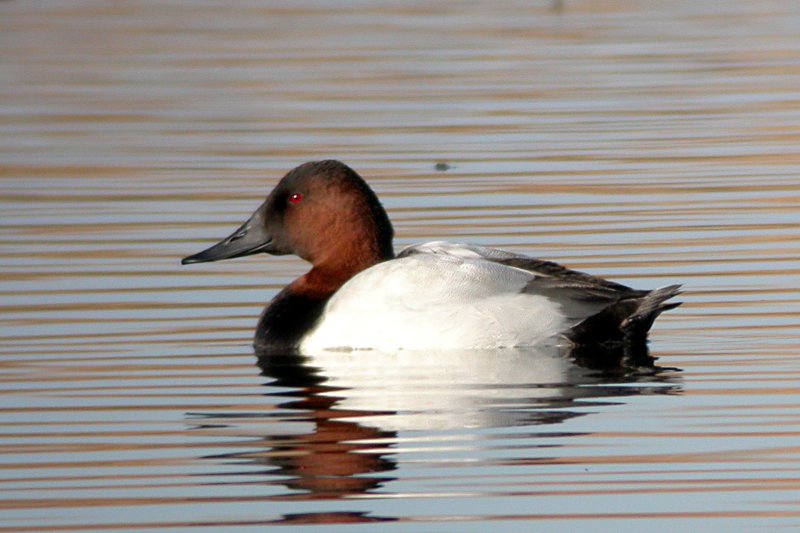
(343,417)
(332,457)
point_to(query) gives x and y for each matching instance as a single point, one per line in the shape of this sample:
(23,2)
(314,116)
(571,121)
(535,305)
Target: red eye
(296,198)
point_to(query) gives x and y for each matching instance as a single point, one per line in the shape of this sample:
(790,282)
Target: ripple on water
(652,143)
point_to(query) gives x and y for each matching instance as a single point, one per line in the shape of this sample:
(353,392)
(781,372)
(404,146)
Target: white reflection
(422,390)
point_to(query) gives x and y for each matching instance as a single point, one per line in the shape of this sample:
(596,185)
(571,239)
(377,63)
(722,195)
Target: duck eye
(296,198)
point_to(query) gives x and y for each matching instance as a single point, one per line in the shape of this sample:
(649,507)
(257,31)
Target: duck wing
(603,311)
(547,278)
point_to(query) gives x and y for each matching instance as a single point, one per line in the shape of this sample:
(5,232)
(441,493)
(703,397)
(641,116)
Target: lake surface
(650,142)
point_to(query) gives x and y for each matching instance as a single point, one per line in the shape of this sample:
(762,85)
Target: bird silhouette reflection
(342,415)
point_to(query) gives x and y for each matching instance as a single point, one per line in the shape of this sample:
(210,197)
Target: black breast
(286,319)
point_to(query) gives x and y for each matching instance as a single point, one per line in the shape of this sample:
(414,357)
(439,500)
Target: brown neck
(326,278)
(338,264)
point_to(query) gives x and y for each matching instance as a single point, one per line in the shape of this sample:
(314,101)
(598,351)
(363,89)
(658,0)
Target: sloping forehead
(319,176)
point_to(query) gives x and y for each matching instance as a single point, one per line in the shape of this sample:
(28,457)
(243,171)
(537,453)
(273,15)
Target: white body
(451,296)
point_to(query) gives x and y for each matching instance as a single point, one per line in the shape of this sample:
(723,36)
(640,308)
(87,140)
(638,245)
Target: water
(652,142)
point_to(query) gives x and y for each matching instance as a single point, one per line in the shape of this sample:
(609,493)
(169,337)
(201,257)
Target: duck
(361,295)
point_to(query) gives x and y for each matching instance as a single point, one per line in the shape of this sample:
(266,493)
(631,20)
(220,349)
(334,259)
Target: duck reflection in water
(343,415)
(333,458)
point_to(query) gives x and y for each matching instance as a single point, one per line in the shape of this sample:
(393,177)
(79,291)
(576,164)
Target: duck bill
(251,238)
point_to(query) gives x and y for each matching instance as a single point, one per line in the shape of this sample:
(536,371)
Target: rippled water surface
(651,142)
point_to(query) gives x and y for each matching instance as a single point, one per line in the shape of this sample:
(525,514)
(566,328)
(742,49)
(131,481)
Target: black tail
(627,320)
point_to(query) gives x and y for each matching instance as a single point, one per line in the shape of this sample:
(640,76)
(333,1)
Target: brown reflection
(327,463)
(333,460)
(331,518)
(337,458)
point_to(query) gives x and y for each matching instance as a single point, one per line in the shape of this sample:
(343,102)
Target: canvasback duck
(439,295)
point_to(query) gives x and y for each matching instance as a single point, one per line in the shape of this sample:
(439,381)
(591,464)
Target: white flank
(446,296)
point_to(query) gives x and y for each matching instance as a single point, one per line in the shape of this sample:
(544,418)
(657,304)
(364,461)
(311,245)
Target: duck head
(321,211)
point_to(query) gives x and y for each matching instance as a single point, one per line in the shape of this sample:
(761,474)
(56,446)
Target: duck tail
(628,320)
(636,326)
